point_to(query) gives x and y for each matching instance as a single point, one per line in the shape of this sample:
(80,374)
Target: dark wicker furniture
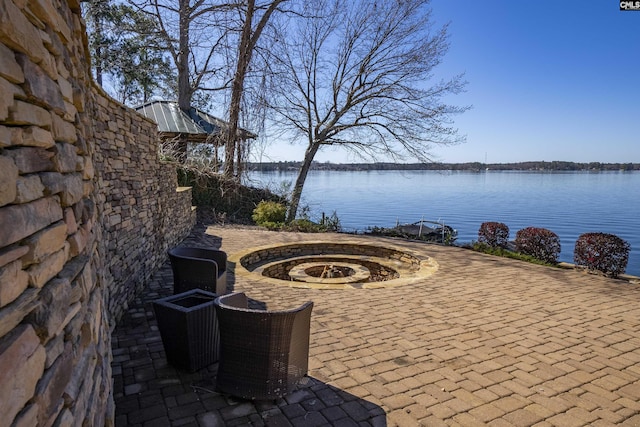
(189,329)
(198,268)
(263,354)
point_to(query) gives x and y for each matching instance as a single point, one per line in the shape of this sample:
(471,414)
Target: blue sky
(547,79)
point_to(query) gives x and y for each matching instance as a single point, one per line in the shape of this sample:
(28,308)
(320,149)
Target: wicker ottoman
(189,329)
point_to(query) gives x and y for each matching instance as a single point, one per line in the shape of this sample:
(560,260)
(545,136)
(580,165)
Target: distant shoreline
(473,166)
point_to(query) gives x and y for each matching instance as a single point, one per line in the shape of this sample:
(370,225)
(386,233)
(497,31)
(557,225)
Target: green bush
(539,243)
(603,252)
(270,214)
(303,225)
(494,234)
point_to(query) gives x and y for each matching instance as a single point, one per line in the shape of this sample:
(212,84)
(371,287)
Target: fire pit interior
(329,271)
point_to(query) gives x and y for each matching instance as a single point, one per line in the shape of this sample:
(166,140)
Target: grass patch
(506,253)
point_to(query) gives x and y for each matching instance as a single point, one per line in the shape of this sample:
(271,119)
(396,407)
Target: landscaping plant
(270,214)
(494,234)
(603,252)
(539,243)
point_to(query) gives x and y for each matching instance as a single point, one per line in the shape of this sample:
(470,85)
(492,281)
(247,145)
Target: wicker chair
(201,268)
(263,354)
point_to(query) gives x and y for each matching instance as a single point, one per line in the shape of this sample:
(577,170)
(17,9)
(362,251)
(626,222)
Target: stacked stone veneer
(86,215)
(143,212)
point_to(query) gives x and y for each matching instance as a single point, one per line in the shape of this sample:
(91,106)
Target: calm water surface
(568,204)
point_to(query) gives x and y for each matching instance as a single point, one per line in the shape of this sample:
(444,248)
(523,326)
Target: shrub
(305,225)
(269,214)
(539,243)
(603,252)
(331,222)
(494,234)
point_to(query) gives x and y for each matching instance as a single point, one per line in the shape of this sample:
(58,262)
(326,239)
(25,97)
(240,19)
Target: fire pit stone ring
(331,265)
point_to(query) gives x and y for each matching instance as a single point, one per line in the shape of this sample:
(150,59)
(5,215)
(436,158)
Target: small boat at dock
(430,231)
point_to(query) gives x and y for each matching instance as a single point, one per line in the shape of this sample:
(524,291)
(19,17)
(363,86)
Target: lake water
(568,204)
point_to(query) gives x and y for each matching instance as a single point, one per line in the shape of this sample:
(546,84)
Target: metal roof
(171,119)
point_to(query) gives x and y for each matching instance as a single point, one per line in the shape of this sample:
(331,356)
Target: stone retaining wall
(86,214)
(142,212)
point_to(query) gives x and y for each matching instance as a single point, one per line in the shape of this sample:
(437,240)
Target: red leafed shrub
(494,234)
(539,243)
(603,252)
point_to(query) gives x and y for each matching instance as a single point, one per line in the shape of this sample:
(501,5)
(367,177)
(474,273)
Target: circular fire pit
(334,272)
(330,265)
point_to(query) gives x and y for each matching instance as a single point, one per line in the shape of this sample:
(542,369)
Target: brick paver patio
(482,341)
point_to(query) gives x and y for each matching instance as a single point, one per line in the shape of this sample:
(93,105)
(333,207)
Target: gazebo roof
(196,123)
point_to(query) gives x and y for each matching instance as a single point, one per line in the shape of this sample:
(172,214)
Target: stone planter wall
(86,214)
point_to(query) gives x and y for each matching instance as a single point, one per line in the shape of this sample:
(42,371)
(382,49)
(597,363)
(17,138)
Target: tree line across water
(472,166)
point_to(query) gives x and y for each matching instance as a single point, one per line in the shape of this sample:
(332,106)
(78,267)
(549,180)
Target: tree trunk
(244,57)
(309,154)
(215,158)
(184,86)
(99,34)
(248,41)
(240,151)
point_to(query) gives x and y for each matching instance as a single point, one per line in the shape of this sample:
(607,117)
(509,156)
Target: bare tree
(201,38)
(196,35)
(255,17)
(360,76)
